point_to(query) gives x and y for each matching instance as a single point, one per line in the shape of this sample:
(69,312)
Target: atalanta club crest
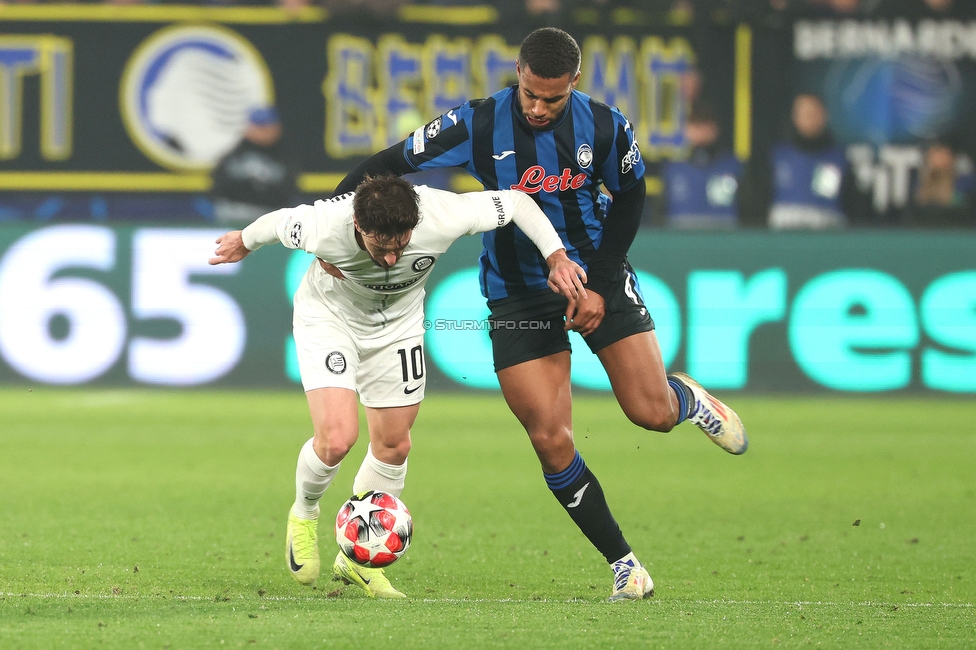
(336,363)
(187,91)
(584,156)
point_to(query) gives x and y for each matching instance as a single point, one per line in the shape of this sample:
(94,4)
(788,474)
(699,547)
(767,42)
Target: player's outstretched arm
(293,227)
(566,277)
(230,248)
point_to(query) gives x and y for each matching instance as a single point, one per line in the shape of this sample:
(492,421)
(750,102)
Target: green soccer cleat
(717,420)
(302,549)
(631,581)
(373,581)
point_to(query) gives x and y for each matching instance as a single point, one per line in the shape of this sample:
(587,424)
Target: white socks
(375,475)
(312,477)
(630,559)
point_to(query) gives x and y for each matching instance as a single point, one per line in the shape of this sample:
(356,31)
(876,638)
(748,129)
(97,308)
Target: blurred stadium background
(776,256)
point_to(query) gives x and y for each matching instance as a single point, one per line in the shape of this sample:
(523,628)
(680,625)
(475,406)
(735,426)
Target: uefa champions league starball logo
(187,91)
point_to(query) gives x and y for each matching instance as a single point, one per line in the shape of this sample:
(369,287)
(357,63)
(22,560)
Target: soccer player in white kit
(358,325)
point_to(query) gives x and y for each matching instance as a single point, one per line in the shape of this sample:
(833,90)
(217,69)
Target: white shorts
(385,366)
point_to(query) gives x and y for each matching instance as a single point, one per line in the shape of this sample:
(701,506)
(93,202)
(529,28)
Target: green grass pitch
(156,520)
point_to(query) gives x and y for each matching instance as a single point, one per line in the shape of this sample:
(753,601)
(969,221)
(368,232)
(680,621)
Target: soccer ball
(374,529)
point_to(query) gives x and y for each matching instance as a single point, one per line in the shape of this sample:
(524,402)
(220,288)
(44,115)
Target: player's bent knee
(661,418)
(394,453)
(331,444)
(546,441)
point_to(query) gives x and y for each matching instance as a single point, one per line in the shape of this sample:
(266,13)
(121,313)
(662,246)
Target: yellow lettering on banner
(376,94)
(447,68)
(663,114)
(49,57)
(351,124)
(609,73)
(401,86)
(494,65)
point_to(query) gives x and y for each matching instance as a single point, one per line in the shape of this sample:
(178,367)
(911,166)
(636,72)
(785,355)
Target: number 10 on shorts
(412,363)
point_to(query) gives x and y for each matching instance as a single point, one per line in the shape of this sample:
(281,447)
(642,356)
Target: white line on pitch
(461,601)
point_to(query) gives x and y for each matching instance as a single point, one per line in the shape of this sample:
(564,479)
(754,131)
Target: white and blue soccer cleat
(631,581)
(718,421)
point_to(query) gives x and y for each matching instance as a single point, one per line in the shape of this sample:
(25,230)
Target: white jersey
(371,295)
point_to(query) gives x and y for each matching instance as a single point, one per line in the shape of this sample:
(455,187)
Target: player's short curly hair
(550,53)
(386,206)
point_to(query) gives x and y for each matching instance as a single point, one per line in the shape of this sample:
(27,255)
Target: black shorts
(530,326)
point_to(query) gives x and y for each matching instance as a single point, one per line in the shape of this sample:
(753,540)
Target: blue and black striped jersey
(561,167)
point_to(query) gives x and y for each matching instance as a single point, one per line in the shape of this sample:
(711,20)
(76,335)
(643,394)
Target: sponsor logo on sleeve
(631,158)
(423,263)
(584,156)
(499,209)
(336,363)
(418,141)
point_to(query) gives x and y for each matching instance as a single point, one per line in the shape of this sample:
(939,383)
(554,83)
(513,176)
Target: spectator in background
(807,181)
(690,85)
(842,8)
(919,9)
(702,191)
(293,5)
(255,177)
(944,191)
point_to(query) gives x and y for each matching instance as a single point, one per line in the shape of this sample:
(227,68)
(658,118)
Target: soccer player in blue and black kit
(558,145)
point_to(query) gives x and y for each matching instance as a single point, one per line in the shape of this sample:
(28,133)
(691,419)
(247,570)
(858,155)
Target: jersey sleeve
(624,167)
(293,227)
(494,209)
(623,175)
(445,141)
